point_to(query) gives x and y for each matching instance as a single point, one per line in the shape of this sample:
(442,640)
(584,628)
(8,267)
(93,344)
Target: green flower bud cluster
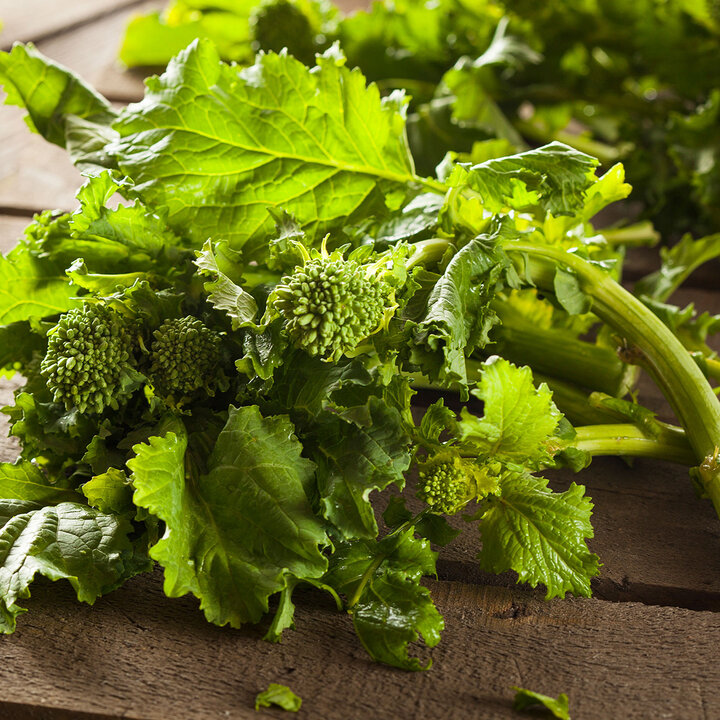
(184,356)
(278,24)
(88,352)
(330,305)
(447,483)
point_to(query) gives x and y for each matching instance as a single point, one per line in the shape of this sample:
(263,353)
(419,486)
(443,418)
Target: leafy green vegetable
(389,607)
(279,695)
(214,546)
(558,707)
(338,145)
(220,375)
(65,541)
(539,534)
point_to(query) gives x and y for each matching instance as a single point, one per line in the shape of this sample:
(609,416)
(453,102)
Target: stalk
(626,439)
(573,402)
(653,345)
(636,235)
(549,350)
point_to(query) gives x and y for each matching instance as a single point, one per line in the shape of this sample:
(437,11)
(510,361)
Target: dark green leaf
(67,541)
(236,533)
(390,608)
(353,460)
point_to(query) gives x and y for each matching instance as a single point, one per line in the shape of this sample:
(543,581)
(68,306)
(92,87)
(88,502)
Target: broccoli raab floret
(185,355)
(278,24)
(447,483)
(89,351)
(331,304)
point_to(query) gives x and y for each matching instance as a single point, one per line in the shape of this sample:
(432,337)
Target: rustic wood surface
(645,647)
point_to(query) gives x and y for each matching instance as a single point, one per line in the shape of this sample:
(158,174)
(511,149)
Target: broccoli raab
(89,351)
(185,356)
(230,358)
(331,305)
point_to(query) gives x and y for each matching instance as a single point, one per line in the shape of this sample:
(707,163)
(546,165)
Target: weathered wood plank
(137,654)
(33,20)
(11,228)
(35,175)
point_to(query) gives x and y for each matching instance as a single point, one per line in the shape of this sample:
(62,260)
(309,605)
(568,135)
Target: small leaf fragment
(280,695)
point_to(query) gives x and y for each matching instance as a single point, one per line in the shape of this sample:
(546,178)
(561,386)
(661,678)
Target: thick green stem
(573,402)
(550,351)
(637,235)
(654,345)
(670,445)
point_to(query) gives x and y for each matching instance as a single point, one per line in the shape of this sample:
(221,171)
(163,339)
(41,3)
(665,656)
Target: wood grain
(11,228)
(137,654)
(33,20)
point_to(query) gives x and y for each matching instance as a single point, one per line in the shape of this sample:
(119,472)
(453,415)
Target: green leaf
(691,329)
(235,534)
(49,92)
(554,177)
(353,460)
(284,615)
(32,287)
(678,263)
(280,695)
(308,385)
(153,39)
(569,293)
(559,707)
(217,145)
(25,481)
(540,535)
(67,541)
(18,344)
(472,83)
(610,188)
(389,606)
(110,492)
(223,293)
(434,528)
(436,419)
(263,351)
(519,420)
(458,316)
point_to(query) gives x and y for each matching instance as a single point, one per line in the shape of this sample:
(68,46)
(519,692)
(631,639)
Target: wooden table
(647,645)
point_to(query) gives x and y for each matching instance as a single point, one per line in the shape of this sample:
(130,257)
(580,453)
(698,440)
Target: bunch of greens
(635,82)
(219,372)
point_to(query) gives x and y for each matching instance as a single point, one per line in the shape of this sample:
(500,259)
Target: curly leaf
(519,421)
(539,534)
(554,177)
(235,534)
